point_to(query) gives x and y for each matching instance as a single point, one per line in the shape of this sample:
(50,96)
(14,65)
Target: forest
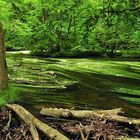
(73,27)
(69,70)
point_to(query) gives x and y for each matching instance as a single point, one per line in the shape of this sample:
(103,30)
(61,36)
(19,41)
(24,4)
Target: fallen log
(107,114)
(34,123)
(77,113)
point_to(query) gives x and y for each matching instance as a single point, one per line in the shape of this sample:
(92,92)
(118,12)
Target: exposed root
(36,123)
(94,128)
(108,114)
(10,118)
(78,113)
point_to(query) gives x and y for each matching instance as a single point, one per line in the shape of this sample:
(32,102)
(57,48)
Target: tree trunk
(3,67)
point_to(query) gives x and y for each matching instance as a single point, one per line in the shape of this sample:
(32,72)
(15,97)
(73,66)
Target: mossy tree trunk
(3,67)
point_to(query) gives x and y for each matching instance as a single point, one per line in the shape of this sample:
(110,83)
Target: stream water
(77,83)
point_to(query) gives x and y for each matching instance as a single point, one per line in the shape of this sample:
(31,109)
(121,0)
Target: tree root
(108,114)
(34,123)
(10,118)
(123,119)
(77,113)
(52,133)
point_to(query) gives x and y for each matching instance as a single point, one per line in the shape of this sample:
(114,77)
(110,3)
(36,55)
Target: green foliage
(67,27)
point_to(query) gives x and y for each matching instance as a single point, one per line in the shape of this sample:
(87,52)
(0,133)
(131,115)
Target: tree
(3,67)
(68,27)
